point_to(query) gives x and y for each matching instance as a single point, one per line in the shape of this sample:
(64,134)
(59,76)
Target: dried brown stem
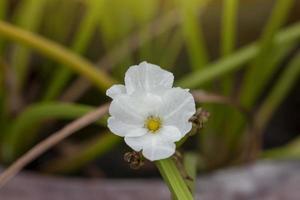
(201,96)
(52,140)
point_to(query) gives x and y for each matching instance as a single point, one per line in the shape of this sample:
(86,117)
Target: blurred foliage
(48,48)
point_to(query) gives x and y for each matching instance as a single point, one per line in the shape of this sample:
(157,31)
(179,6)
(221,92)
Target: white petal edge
(122,129)
(159,151)
(147,77)
(170,134)
(152,146)
(124,109)
(136,143)
(179,107)
(115,90)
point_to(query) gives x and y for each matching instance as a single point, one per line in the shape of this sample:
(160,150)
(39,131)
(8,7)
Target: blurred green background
(57,58)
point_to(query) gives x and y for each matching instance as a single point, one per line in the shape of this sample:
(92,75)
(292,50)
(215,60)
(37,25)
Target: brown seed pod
(135,159)
(199,118)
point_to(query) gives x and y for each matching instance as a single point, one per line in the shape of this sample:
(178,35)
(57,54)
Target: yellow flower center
(153,124)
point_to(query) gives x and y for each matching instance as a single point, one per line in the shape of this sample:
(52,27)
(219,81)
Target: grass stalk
(236,60)
(30,22)
(280,90)
(85,31)
(278,16)
(31,118)
(193,33)
(85,155)
(3,11)
(58,53)
(228,36)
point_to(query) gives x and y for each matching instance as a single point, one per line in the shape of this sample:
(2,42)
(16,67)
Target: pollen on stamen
(153,124)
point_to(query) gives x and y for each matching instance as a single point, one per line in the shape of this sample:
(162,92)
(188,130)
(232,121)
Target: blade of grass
(85,31)
(228,35)
(3,100)
(51,141)
(280,90)
(66,12)
(86,154)
(59,53)
(192,32)
(257,71)
(3,11)
(117,54)
(261,67)
(168,59)
(28,16)
(29,121)
(236,60)
(287,152)
(288,78)
(235,129)
(173,179)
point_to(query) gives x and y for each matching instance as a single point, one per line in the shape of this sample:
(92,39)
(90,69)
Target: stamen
(153,124)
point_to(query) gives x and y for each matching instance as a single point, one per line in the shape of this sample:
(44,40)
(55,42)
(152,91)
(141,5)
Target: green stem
(59,53)
(173,179)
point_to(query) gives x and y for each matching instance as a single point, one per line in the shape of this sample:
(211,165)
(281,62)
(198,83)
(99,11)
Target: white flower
(148,112)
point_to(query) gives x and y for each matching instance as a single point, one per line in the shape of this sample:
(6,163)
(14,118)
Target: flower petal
(136,143)
(122,129)
(137,132)
(154,148)
(116,90)
(123,109)
(147,77)
(179,107)
(158,151)
(170,134)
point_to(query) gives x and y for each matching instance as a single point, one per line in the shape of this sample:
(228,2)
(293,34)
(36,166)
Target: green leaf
(235,61)
(229,20)
(266,44)
(228,35)
(3,11)
(23,133)
(280,90)
(83,35)
(86,154)
(192,32)
(290,151)
(28,16)
(57,52)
